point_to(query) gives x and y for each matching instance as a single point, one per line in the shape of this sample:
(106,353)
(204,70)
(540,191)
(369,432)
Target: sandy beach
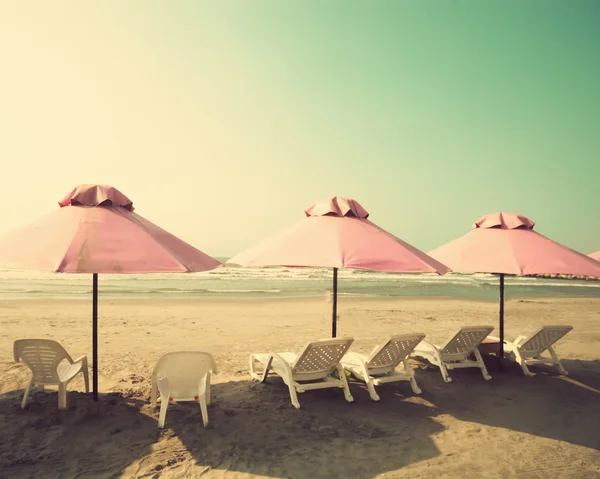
(511,426)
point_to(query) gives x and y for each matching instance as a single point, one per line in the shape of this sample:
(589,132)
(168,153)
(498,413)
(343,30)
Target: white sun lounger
(381,365)
(46,359)
(182,376)
(455,352)
(528,350)
(313,368)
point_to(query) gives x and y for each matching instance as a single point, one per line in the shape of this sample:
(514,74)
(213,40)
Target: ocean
(235,283)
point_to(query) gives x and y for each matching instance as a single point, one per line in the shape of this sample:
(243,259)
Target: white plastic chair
(381,365)
(455,352)
(46,359)
(182,376)
(528,350)
(312,369)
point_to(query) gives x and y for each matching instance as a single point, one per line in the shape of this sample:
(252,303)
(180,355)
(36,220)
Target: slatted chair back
(320,358)
(387,356)
(43,357)
(464,342)
(542,339)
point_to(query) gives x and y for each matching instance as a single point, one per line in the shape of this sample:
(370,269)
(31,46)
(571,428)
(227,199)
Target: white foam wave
(243,290)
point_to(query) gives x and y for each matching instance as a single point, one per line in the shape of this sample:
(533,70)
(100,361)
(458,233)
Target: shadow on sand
(86,440)
(547,405)
(254,429)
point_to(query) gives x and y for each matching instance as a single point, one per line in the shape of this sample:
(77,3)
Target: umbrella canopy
(96,231)
(595,255)
(336,233)
(505,243)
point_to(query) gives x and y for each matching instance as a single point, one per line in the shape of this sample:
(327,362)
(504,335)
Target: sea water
(231,282)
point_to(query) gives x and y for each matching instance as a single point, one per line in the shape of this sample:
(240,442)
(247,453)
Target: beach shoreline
(289,299)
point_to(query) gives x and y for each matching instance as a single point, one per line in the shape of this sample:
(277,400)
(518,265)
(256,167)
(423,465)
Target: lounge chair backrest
(184,370)
(319,358)
(461,344)
(542,339)
(42,356)
(388,355)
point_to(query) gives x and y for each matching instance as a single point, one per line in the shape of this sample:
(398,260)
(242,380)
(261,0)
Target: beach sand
(511,426)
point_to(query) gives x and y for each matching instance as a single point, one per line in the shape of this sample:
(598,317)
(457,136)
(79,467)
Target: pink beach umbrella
(595,255)
(505,243)
(96,231)
(337,234)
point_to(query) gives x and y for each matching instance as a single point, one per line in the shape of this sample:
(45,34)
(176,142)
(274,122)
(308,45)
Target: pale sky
(224,120)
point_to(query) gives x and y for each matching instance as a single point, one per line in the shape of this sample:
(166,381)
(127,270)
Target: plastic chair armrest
(81,359)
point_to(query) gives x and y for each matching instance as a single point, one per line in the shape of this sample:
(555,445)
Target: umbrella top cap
(96,195)
(504,221)
(337,206)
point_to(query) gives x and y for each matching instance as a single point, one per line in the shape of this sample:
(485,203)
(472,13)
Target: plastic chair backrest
(184,369)
(542,339)
(389,354)
(42,356)
(465,341)
(319,358)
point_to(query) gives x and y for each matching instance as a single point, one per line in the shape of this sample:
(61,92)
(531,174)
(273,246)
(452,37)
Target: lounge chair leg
(525,369)
(413,382)
(62,396)
(523,364)
(444,372)
(259,377)
(484,370)
(344,380)
(372,392)
(164,404)
(26,394)
(561,370)
(294,396)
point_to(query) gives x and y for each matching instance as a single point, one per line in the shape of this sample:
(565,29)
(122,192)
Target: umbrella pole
(95,336)
(502,321)
(334,313)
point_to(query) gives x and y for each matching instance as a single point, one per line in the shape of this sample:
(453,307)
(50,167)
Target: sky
(223,121)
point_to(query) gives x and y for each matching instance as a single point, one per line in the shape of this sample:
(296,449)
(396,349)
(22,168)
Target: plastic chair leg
(26,394)
(86,379)
(62,396)
(164,404)
(204,410)
(207,391)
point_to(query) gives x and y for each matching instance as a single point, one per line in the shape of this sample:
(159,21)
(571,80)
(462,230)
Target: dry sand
(511,426)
